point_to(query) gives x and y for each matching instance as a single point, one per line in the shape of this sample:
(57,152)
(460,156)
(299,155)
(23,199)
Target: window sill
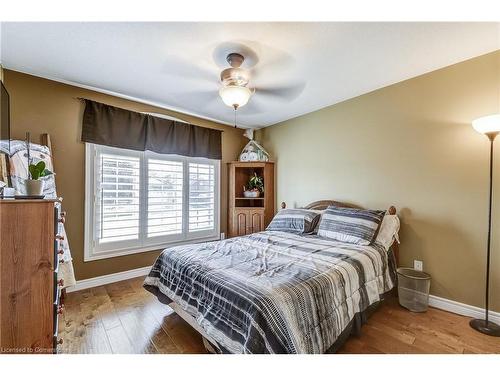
(90,256)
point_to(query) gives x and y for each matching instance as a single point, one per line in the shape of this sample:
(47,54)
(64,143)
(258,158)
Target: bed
(274,292)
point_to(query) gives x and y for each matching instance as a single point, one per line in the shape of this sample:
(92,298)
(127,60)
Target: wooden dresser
(30,289)
(249,215)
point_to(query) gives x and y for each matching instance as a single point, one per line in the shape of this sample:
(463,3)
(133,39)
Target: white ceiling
(177,65)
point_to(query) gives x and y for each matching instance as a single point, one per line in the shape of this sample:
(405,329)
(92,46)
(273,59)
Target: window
(139,201)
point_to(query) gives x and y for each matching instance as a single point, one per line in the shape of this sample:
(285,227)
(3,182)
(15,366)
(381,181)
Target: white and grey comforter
(272,292)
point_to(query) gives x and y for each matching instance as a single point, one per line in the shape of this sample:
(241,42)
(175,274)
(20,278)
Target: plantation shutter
(144,201)
(117,198)
(201,197)
(165,190)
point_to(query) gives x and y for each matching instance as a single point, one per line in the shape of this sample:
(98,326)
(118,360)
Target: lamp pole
(484,325)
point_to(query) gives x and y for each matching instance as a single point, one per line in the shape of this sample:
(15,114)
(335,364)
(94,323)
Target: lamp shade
(235,96)
(487,124)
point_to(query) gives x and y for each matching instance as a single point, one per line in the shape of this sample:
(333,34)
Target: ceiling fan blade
(281,62)
(203,99)
(285,93)
(252,107)
(177,67)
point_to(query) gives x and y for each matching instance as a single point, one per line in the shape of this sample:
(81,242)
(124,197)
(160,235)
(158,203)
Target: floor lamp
(489,126)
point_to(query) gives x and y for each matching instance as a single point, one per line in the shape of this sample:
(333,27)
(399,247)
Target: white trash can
(413,289)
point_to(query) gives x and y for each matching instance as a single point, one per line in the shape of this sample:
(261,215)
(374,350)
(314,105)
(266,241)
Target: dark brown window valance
(111,126)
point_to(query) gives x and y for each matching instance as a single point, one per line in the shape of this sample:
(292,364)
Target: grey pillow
(295,220)
(350,225)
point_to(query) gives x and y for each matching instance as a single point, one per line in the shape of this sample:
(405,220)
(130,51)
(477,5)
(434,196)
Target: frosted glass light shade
(487,124)
(235,96)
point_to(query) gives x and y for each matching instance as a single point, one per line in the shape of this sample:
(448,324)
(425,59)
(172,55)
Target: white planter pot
(34,187)
(251,194)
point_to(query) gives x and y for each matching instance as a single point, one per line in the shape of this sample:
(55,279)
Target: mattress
(273,292)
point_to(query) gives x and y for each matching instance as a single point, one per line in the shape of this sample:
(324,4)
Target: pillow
(388,231)
(350,225)
(316,227)
(294,220)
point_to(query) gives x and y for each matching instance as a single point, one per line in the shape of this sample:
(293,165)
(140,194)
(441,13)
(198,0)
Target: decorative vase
(34,187)
(251,193)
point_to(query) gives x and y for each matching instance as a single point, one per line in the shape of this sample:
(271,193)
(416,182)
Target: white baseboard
(434,301)
(462,309)
(108,279)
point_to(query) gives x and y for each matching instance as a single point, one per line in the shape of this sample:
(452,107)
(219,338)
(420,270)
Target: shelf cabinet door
(242,222)
(257,220)
(248,221)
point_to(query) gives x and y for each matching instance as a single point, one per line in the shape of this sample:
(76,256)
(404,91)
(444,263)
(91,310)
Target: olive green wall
(43,106)
(410,145)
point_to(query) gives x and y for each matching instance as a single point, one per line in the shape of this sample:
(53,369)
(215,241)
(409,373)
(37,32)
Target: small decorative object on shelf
(253,151)
(34,186)
(254,188)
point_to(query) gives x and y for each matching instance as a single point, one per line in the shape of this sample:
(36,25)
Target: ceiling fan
(248,81)
(234,91)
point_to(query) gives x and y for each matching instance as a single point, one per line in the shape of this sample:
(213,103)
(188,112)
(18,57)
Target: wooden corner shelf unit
(249,215)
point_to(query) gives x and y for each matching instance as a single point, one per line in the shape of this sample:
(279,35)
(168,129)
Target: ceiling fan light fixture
(235,96)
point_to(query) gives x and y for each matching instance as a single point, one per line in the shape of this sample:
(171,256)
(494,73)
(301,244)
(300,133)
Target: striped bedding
(350,224)
(272,292)
(294,220)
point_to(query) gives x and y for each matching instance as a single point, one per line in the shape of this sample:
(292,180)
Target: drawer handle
(60,282)
(62,220)
(61,261)
(59,237)
(63,214)
(59,342)
(61,251)
(60,309)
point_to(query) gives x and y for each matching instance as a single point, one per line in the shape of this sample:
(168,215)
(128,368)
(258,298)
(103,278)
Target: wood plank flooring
(124,318)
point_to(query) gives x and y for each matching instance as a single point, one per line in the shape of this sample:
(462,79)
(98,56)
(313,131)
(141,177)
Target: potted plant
(34,186)
(254,188)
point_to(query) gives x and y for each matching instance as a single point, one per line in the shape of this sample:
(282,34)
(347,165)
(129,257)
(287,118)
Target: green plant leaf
(256,183)
(40,166)
(46,172)
(37,170)
(35,174)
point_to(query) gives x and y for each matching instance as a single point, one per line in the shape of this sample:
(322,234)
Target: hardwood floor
(124,318)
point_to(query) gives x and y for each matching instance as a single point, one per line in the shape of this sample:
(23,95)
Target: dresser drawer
(58,309)
(59,219)
(58,258)
(58,285)
(55,339)
(55,308)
